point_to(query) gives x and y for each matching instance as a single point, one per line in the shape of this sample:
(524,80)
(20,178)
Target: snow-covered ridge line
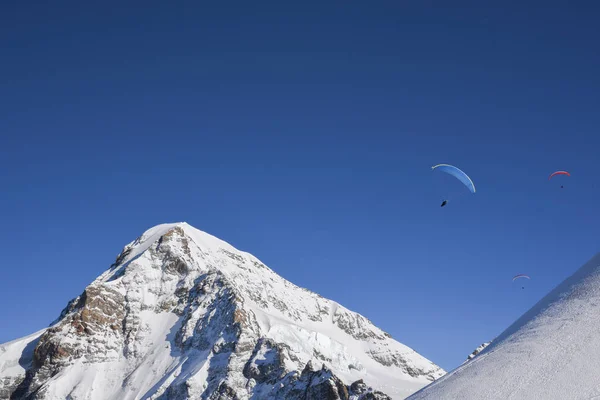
(551,352)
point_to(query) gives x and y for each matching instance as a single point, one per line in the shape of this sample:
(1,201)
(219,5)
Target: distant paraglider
(520,276)
(559,173)
(458,174)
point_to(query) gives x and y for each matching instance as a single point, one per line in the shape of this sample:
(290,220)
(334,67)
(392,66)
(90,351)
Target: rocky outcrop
(91,332)
(9,384)
(477,351)
(389,358)
(356,326)
(321,384)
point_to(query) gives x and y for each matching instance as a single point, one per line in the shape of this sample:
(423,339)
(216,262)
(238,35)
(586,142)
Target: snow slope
(184,314)
(551,352)
(15,358)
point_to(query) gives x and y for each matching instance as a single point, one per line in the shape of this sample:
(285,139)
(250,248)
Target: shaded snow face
(551,352)
(182,314)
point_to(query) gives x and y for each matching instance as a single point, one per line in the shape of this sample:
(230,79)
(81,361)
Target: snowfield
(551,352)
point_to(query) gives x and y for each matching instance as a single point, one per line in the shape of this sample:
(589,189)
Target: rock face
(182,314)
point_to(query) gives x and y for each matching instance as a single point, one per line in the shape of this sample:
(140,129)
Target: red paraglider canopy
(558,173)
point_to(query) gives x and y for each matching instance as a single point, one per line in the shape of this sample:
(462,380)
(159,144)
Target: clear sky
(304,133)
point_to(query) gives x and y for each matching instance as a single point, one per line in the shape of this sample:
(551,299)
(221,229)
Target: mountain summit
(182,314)
(551,352)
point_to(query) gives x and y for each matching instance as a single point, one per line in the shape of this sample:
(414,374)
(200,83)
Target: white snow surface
(17,355)
(149,359)
(551,352)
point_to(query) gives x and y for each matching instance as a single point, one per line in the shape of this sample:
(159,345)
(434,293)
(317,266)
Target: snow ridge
(182,314)
(551,352)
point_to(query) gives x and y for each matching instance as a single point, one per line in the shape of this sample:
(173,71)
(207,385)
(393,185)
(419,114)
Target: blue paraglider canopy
(457,173)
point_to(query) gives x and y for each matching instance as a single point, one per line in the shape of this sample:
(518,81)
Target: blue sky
(304,133)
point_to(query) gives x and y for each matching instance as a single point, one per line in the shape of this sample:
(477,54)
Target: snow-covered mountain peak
(182,313)
(256,283)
